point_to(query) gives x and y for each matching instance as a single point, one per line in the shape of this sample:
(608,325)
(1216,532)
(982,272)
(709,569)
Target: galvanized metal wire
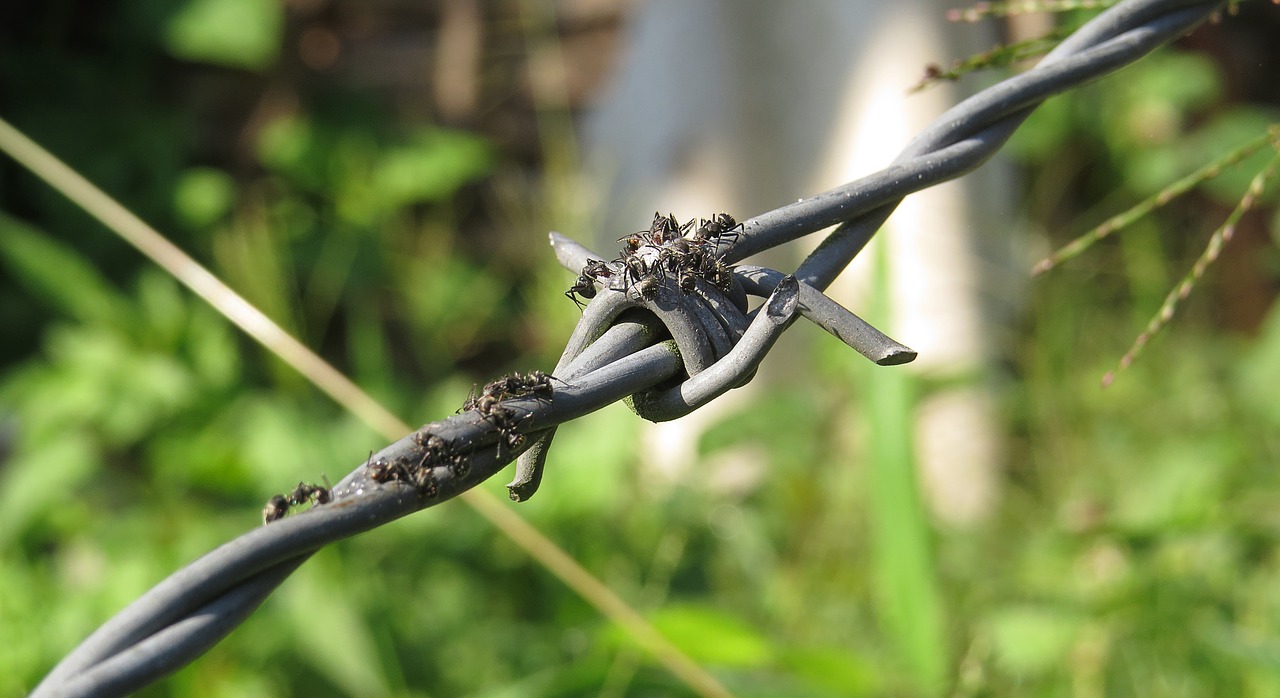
(668,351)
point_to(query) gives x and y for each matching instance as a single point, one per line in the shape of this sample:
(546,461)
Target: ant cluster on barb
(685,252)
(420,468)
(534,384)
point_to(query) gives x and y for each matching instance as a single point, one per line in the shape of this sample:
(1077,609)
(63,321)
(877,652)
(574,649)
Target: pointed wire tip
(897,357)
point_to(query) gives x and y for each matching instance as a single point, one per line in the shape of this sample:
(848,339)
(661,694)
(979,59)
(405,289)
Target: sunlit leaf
(231,33)
(1032,639)
(203,195)
(55,274)
(430,167)
(713,636)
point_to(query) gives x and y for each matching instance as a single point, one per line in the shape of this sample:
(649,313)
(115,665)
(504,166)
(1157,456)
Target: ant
(459,465)
(536,383)
(721,228)
(585,286)
(382,470)
(647,287)
(719,224)
(275,509)
(668,249)
(434,449)
(438,452)
(687,280)
(632,243)
(719,274)
(305,492)
(431,442)
(639,273)
(504,419)
(423,482)
(665,229)
(279,505)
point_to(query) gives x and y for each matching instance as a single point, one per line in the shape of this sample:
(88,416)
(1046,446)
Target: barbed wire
(666,343)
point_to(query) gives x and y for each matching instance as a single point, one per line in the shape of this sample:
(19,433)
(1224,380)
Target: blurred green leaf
(368,177)
(203,196)
(214,355)
(25,490)
(345,653)
(161,311)
(1046,130)
(1257,374)
(430,167)
(287,144)
(592,484)
(1179,485)
(1033,639)
(125,392)
(712,636)
(1223,133)
(57,275)
(232,33)
(836,669)
(1254,648)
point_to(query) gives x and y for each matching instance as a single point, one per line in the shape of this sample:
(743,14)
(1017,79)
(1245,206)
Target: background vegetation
(305,153)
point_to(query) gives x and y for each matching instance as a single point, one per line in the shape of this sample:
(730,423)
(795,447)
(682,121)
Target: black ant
(438,452)
(719,274)
(504,419)
(719,224)
(279,505)
(275,509)
(687,280)
(306,492)
(721,228)
(433,448)
(684,252)
(665,229)
(441,453)
(647,287)
(459,465)
(585,286)
(382,470)
(535,383)
(637,271)
(423,482)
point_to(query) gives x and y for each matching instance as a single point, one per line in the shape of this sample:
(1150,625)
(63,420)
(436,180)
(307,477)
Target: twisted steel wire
(668,354)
